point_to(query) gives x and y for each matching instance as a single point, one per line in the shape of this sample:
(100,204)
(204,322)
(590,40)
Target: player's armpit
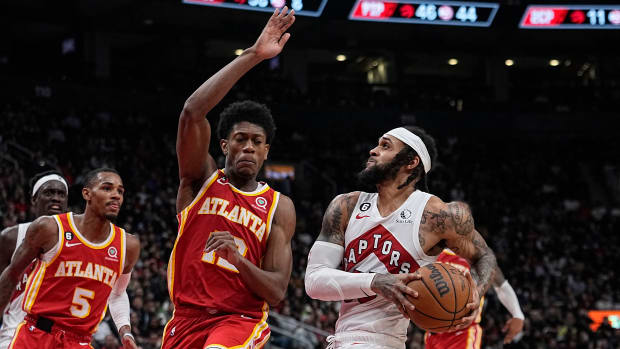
(41,236)
(337,217)
(462,238)
(132,253)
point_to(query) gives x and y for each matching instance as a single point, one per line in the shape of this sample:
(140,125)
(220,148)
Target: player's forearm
(270,286)
(329,284)
(211,92)
(483,270)
(7,285)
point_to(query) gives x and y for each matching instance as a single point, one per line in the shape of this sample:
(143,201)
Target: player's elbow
(276,297)
(190,112)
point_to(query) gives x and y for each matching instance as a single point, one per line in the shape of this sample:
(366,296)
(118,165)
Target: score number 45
(211,258)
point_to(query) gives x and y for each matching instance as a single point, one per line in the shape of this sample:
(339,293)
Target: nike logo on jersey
(359,216)
(73,244)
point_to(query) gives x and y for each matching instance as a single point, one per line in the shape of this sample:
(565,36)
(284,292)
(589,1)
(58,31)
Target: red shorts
(469,338)
(189,330)
(28,336)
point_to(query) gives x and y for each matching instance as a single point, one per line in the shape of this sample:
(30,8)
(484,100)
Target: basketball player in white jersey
(371,244)
(49,197)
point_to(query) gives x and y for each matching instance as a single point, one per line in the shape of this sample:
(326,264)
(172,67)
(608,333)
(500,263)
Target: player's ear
(414,163)
(224,146)
(266,150)
(86,193)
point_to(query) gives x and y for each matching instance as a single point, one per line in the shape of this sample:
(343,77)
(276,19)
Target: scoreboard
(312,8)
(425,12)
(571,17)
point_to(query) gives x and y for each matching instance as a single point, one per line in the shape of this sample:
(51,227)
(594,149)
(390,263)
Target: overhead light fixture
(509,62)
(453,61)
(341,58)
(554,62)
(238,52)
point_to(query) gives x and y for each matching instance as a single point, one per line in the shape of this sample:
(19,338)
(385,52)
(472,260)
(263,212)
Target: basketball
(443,294)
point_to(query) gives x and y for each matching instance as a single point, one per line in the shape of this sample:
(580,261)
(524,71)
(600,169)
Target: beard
(371,176)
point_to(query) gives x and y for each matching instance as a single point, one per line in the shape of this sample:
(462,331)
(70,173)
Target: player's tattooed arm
(41,236)
(337,217)
(498,277)
(466,241)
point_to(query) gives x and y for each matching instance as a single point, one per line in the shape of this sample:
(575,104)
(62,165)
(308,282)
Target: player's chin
(247,171)
(111,216)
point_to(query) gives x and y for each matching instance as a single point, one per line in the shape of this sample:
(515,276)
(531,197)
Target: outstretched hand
(273,38)
(129,343)
(394,288)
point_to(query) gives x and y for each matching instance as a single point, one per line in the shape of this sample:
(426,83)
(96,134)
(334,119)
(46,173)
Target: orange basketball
(443,294)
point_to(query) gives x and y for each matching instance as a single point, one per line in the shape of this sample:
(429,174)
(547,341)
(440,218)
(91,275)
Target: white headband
(414,142)
(45,179)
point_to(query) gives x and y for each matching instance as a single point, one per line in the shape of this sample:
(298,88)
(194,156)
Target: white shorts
(363,340)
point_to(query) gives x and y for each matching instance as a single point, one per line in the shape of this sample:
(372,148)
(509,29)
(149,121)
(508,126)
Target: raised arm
(194,132)
(41,236)
(271,280)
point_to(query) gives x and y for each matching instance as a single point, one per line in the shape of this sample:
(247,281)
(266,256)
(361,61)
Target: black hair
(407,154)
(91,176)
(40,175)
(250,111)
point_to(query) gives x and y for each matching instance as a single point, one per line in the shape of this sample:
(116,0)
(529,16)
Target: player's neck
(93,227)
(241,183)
(391,197)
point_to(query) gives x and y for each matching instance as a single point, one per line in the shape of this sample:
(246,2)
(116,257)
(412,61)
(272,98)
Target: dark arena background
(523,101)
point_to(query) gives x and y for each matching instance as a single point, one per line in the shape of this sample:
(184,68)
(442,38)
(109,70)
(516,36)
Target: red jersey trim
(171,262)
(85,241)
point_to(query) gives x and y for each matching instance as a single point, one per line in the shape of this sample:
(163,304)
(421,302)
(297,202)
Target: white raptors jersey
(13,314)
(375,244)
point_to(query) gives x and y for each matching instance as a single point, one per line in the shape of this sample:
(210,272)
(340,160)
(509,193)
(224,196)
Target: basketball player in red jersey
(232,257)
(83,262)
(471,337)
(49,197)
(371,244)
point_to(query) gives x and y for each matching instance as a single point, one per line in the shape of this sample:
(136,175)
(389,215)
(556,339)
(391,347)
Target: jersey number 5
(211,258)
(81,307)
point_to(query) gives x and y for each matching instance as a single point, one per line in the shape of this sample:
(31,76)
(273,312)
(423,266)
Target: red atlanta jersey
(71,284)
(451,258)
(203,280)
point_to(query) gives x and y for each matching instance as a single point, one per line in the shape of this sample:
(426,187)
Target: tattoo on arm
(336,218)
(498,277)
(469,243)
(437,220)
(461,217)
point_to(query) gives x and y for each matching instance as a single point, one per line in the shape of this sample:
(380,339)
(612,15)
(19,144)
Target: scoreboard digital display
(425,12)
(571,17)
(312,8)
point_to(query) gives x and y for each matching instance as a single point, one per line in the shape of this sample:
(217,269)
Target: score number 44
(430,12)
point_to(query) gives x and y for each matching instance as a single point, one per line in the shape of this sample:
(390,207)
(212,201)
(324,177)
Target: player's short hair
(407,154)
(40,175)
(250,111)
(91,177)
